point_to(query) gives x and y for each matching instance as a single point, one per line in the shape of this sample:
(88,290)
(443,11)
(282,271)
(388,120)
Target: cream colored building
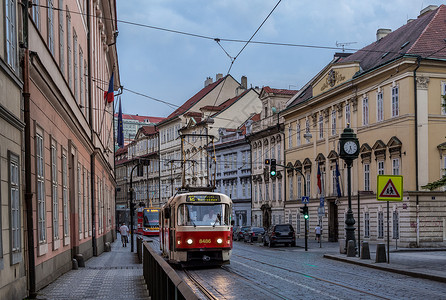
(390,92)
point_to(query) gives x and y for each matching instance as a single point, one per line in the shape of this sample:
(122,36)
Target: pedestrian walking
(318,231)
(124,230)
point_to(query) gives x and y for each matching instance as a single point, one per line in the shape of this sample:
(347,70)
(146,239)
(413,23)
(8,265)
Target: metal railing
(161,279)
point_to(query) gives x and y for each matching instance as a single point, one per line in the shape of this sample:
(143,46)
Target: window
(75,65)
(299,187)
(11,34)
(291,188)
(379,107)
(396,225)
(347,114)
(290,140)
(81,75)
(298,142)
(85,202)
(274,191)
(54,194)
(443,100)
(366,177)
(308,192)
(333,122)
(278,152)
(366,224)
(396,166)
(36,13)
(255,193)
(273,152)
(380,225)
(395,101)
(61,38)
(321,127)
(79,198)
(365,111)
(65,194)
(279,190)
(381,167)
(41,213)
(69,54)
(50,11)
(14,195)
(307,130)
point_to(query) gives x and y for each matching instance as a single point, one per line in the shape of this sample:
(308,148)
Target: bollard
(342,249)
(75,265)
(80,260)
(365,251)
(351,251)
(380,253)
(107,247)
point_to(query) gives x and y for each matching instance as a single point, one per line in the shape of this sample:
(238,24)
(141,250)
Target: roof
(424,36)
(148,130)
(121,150)
(269,90)
(140,118)
(195,98)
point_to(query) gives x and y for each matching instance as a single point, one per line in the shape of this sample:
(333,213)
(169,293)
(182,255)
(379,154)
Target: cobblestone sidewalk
(111,275)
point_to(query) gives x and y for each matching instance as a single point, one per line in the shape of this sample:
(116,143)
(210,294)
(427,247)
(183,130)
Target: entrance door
(332,222)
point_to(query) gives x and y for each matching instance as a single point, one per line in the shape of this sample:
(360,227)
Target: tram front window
(203,215)
(151,218)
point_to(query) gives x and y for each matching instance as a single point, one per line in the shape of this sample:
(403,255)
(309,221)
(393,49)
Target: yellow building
(390,93)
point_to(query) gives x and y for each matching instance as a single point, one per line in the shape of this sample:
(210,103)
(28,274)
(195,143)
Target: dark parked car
(238,234)
(280,234)
(253,234)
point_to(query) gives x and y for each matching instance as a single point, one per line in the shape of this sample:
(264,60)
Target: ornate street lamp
(349,150)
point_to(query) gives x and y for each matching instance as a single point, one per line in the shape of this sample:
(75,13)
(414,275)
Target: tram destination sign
(203,198)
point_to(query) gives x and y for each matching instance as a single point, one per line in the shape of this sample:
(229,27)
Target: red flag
(319,183)
(109,94)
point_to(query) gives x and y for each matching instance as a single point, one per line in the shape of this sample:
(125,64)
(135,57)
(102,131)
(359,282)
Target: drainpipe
(416,146)
(93,209)
(28,177)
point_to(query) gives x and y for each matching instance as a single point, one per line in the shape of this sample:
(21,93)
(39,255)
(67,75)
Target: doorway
(333,221)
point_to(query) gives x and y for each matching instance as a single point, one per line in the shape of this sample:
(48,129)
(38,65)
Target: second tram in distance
(196,229)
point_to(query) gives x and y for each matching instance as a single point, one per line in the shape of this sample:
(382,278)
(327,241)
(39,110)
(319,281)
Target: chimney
(244,81)
(427,9)
(218,76)
(382,32)
(208,81)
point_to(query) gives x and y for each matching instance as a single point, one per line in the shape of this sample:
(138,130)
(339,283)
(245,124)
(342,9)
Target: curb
(394,269)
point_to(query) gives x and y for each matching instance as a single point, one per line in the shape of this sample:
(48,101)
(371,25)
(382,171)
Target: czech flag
(109,94)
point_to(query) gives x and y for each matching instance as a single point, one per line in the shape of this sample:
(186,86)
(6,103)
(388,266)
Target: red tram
(148,221)
(196,229)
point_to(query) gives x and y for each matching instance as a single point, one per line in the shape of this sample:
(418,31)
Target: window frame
(50,26)
(11,34)
(379,106)
(40,186)
(14,208)
(365,111)
(395,109)
(54,191)
(333,122)
(65,199)
(366,177)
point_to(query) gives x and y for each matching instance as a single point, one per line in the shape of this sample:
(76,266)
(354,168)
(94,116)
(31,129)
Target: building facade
(265,135)
(390,93)
(69,57)
(132,123)
(13,280)
(233,172)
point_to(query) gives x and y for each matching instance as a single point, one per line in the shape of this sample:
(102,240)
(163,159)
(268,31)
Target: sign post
(389,188)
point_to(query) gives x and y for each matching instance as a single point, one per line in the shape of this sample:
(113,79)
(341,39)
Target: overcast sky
(173,67)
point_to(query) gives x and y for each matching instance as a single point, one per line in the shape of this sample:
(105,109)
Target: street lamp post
(305,205)
(349,150)
(131,206)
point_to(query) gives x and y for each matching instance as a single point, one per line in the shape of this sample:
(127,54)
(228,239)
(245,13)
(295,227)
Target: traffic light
(267,161)
(272,168)
(305,212)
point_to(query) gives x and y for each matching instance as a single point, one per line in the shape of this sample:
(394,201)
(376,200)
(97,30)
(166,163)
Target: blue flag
(338,186)
(120,137)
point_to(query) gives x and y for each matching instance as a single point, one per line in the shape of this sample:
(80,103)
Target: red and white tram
(196,229)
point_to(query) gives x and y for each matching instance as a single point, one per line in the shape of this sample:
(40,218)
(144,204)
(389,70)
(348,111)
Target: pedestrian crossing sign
(390,188)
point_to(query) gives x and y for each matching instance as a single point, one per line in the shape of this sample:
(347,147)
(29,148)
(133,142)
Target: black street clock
(348,145)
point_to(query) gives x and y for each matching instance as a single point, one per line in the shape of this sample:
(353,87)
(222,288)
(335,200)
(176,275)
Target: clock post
(349,150)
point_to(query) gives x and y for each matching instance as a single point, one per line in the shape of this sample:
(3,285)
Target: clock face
(350,147)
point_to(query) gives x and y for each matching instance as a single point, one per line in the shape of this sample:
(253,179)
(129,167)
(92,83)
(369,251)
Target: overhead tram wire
(225,39)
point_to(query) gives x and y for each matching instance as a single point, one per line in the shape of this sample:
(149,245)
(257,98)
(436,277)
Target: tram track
(314,277)
(196,282)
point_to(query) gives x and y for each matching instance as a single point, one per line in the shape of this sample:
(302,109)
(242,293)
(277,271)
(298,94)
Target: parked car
(280,234)
(253,234)
(238,234)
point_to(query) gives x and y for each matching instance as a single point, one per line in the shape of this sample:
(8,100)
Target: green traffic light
(306,216)
(273,173)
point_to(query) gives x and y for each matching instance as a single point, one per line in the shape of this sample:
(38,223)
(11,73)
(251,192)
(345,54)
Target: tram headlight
(219,240)
(189,241)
